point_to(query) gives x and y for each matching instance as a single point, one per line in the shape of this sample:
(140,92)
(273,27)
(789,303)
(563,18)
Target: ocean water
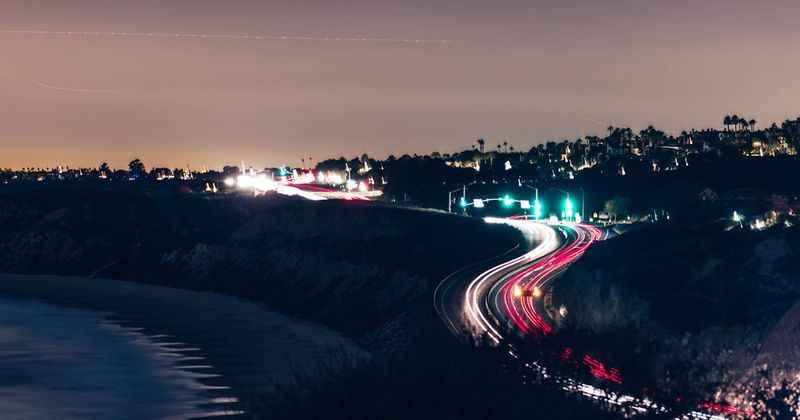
(61,363)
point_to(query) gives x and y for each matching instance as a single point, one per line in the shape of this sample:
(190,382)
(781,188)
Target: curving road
(502,299)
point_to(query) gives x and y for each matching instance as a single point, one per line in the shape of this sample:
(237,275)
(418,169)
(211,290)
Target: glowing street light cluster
(537,209)
(261,184)
(330,177)
(535,206)
(291,182)
(568,208)
(258,183)
(508,201)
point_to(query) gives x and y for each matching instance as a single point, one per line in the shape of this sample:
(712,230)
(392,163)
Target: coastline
(256,353)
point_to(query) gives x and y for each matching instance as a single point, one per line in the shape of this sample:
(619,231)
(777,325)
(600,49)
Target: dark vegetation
(681,310)
(705,190)
(690,159)
(350,265)
(443,380)
(708,189)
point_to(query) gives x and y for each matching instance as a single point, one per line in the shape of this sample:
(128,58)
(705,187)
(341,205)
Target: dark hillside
(690,308)
(316,260)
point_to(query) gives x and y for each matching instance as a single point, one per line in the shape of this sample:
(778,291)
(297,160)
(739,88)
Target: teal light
(568,208)
(537,209)
(508,201)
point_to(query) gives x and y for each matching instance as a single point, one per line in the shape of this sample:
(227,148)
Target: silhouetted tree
(617,206)
(136,168)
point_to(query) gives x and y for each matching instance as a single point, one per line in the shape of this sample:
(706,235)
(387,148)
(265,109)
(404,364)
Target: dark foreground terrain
(693,313)
(359,271)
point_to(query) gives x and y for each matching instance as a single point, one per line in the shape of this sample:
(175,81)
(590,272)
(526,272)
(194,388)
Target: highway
(501,300)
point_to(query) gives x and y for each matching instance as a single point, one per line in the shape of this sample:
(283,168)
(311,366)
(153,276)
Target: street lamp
(568,208)
(567,212)
(537,205)
(463,190)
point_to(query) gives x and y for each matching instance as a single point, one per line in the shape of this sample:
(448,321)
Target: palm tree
(481,143)
(735,120)
(726,122)
(752,124)
(505,146)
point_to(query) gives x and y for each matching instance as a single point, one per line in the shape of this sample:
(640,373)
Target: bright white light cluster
(294,191)
(258,183)
(305,178)
(330,177)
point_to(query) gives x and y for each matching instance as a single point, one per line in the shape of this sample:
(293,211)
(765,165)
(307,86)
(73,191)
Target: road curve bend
(500,300)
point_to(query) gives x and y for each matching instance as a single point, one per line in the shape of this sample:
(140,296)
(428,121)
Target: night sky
(522,71)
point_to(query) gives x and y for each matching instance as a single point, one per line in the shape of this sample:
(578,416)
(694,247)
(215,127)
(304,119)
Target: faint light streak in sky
(74,90)
(238,37)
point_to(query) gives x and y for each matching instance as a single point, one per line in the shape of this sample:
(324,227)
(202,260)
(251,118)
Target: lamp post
(583,198)
(537,205)
(567,203)
(463,190)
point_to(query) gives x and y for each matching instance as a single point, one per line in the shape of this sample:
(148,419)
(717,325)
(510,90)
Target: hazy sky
(523,71)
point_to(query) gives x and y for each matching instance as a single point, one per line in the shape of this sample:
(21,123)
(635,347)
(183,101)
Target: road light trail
(494,304)
(217,36)
(540,274)
(474,302)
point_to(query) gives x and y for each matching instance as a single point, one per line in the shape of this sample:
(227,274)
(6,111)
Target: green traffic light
(568,207)
(463,202)
(508,201)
